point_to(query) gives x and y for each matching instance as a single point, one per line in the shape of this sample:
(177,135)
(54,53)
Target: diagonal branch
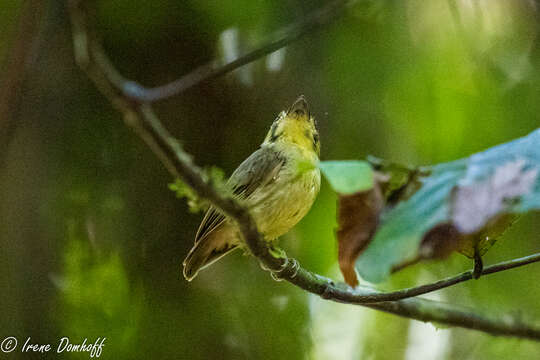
(215,69)
(18,61)
(142,119)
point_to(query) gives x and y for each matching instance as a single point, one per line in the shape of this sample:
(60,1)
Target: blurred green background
(92,239)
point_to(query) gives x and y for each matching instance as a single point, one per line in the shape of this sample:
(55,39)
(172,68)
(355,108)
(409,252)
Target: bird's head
(295,126)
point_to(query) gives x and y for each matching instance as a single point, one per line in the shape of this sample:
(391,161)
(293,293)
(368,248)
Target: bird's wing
(256,171)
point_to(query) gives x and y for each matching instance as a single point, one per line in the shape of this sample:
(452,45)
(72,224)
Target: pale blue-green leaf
(348,176)
(398,238)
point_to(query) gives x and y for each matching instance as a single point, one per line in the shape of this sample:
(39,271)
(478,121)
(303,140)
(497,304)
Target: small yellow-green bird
(278,183)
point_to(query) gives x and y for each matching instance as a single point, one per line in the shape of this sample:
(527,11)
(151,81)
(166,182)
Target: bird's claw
(291,266)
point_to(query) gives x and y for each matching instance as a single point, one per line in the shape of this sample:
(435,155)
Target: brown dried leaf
(358,218)
(440,242)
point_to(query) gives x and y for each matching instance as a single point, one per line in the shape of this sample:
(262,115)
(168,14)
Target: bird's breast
(291,196)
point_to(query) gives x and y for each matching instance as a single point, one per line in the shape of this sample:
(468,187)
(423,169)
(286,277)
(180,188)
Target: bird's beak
(300,108)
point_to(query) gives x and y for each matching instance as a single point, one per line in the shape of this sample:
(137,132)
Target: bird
(278,184)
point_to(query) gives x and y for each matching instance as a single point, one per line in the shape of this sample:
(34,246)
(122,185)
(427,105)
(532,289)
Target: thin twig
(359,296)
(215,69)
(141,118)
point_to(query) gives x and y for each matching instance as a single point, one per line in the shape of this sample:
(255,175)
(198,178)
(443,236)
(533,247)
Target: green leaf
(402,229)
(348,176)
(213,175)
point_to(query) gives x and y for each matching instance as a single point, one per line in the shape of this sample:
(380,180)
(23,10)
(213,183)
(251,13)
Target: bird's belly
(278,212)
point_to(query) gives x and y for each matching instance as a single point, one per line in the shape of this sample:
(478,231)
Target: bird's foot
(289,267)
(277,252)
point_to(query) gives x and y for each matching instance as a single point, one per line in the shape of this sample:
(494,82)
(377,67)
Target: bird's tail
(204,253)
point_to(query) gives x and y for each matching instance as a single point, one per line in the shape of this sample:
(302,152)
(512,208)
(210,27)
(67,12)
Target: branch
(17,63)
(214,69)
(365,296)
(142,119)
